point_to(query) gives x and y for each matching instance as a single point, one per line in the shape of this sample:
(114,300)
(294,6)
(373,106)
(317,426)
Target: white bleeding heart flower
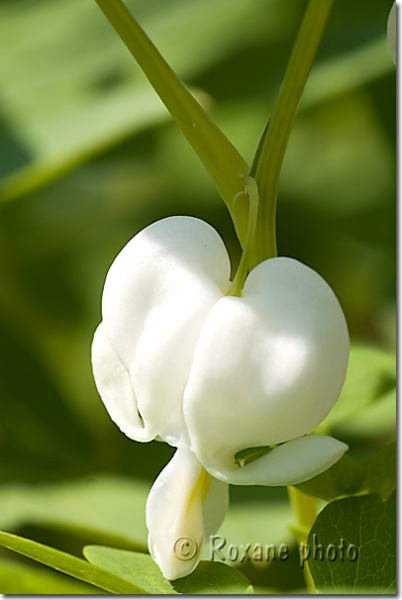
(176,358)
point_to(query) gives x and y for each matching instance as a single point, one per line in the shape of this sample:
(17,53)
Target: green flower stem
(221,159)
(273,147)
(305,509)
(251,190)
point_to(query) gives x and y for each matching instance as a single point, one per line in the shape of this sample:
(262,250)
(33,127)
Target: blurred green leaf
(111,507)
(376,474)
(66,563)
(120,512)
(141,570)
(344,478)
(343,137)
(255,523)
(76,91)
(368,524)
(16,578)
(380,471)
(376,420)
(41,429)
(348,71)
(370,377)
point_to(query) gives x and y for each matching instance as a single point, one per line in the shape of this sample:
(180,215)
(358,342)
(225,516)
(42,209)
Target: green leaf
(45,437)
(108,510)
(353,544)
(370,377)
(347,71)
(344,478)
(17,578)
(136,568)
(77,91)
(214,578)
(66,563)
(376,474)
(380,471)
(140,569)
(355,590)
(377,420)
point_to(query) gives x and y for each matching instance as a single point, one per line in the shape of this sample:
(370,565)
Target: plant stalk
(305,509)
(220,158)
(274,144)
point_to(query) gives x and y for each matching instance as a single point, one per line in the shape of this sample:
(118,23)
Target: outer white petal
(269,366)
(175,513)
(290,463)
(115,387)
(157,295)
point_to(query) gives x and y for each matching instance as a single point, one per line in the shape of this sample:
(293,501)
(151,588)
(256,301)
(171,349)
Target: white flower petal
(288,464)
(115,388)
(175,514)
(268,366)
(157,296)
(215,507)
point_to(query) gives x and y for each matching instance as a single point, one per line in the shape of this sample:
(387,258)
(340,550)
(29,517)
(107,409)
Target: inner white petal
(178,502)
(116,390)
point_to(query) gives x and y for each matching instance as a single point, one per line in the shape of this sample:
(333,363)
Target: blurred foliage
(89,156)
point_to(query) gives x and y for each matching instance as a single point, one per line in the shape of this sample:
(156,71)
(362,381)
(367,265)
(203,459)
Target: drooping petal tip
(184,505)
(288,464)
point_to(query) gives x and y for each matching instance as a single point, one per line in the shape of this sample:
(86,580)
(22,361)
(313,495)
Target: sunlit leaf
(66,563)
(16,578)
(76,91)
(140,569)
